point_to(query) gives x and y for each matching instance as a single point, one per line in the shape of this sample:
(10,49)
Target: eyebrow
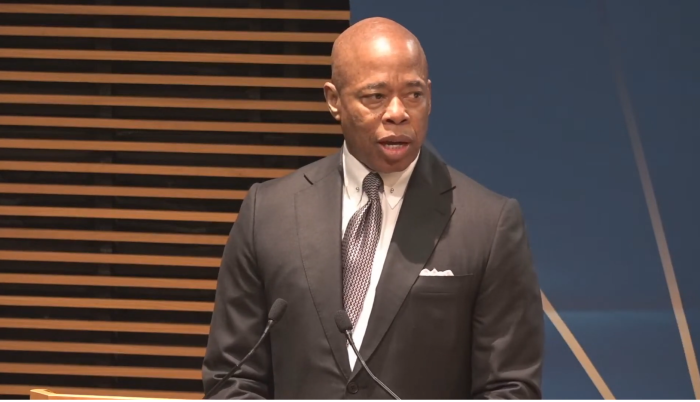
(376,85)
(383,84)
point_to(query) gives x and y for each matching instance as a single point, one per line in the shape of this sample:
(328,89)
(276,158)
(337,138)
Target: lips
(395,147)
(395,141)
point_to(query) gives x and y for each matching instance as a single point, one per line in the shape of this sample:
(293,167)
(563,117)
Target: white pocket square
(435,272)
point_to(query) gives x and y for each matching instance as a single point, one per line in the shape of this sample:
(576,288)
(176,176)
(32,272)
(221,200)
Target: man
(433,269)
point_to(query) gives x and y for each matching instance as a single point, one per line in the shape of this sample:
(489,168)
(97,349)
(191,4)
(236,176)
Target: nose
(396,112)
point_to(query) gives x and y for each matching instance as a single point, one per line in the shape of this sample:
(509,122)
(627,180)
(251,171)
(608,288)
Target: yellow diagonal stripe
(576,348)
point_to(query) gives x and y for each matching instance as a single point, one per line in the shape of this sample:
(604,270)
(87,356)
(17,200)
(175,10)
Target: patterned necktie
(359,243)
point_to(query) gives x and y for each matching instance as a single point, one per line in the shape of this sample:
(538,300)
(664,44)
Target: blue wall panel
(660,49)
(525,102)
(559,380)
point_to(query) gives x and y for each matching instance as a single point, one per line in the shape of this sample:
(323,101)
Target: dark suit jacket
(477,334)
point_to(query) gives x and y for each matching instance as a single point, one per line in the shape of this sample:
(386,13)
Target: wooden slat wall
(130,131)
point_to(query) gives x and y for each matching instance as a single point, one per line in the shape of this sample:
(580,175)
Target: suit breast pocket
(440,284)
(437,308)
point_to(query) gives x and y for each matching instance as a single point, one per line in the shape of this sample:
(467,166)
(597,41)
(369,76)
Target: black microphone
(279,307)
(342,321)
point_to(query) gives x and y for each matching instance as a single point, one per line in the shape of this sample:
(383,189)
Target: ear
(332,99)
(430,96)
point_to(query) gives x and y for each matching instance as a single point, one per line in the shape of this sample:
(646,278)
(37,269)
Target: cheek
(419,119)
(358,119)
(420,124)
(365,121)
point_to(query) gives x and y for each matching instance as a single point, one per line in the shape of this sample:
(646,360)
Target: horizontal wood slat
(116,33)
(63,205)
(104,213)
(193,103)
(94,235)
(118,191)
(129,393)
(266,82)
(104,326)
(24,390)
(76,302)
(278,128)
(108,281)
(107,168)
(95,258)
(286,14)
(184,57)
(101,371)
(110,146)
(101,348)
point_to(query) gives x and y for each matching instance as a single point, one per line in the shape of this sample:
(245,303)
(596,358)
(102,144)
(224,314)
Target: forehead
(386,62)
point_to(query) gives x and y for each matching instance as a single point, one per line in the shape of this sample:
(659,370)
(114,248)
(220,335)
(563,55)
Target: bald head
(380,93)
(371,40)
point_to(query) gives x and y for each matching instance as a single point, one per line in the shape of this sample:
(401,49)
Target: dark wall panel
(526,102)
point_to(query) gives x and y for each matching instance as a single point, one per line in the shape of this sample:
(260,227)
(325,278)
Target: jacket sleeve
(508,326)
(240,316)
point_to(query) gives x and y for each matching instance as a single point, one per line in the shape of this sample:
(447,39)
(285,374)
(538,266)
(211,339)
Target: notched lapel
(426,210)
(318,210)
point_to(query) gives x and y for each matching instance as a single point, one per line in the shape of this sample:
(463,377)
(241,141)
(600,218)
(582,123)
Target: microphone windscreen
(277,310)
(342,321)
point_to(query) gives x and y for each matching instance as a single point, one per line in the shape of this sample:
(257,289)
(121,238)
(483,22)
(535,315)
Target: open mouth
(394,145)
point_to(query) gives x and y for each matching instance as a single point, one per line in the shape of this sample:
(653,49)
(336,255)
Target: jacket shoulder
(476,196)
(461,180)
(299,179)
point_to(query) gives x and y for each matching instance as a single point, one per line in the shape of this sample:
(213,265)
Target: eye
(373,99)
(416,94)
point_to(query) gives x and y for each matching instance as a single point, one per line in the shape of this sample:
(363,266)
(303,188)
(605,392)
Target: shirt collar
(354,173)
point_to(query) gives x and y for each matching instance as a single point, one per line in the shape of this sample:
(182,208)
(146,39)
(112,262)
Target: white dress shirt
(354,198)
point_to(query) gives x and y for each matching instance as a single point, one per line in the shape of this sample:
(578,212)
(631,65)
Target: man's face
(383,103)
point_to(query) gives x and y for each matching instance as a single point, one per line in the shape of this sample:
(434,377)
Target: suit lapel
(426,209)
(318,210)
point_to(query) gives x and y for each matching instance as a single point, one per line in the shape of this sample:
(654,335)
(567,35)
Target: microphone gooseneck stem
(348,334)
(221,382)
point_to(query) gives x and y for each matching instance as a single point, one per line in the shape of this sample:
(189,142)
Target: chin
(394,166)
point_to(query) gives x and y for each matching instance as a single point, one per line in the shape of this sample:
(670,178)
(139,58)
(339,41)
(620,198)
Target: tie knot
(371,185)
